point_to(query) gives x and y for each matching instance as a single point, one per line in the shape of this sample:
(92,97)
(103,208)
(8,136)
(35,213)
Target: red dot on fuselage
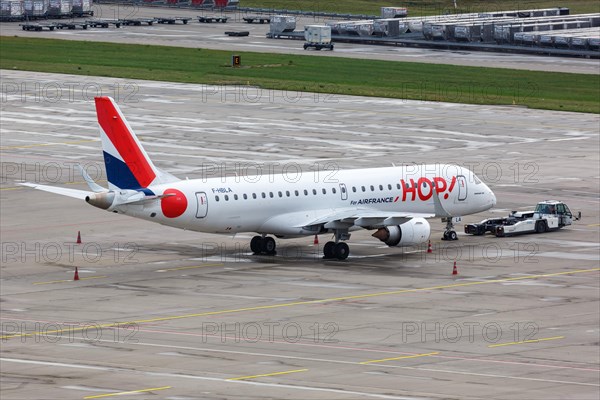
(175,205)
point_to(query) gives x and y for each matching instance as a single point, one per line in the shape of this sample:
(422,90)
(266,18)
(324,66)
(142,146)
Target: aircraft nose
(493,198)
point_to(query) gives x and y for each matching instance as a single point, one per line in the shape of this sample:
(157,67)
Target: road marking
(399,358)
(128,392)
(12,188)
(307,302)
(593,225)
(46,144)
(191,267)
(527,341)
(70,280)
(243,378)
(345,393)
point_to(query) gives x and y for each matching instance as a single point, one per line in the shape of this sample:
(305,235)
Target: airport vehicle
(317,37)
(548,215)
(392,201)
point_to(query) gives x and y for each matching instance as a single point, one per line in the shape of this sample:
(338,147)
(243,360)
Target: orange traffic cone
(76,276)
(429,249)
(316,241)
(78,237)
(454,270)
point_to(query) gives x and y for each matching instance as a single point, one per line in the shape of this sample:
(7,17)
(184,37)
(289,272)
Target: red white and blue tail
(127,163)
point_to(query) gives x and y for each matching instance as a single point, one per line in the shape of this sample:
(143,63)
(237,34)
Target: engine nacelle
(413,232)
(101,200)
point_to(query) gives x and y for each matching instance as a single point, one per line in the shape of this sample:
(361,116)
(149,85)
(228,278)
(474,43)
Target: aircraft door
(462,187)
(202,202)
(343,191)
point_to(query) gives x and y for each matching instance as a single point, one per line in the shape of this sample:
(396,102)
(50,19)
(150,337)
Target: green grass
(423,7)
(428,82)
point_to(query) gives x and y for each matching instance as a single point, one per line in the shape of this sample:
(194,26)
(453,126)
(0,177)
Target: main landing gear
(263,245)
(337,249)
(449,233)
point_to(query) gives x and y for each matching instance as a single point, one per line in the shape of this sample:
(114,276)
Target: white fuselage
(284,205)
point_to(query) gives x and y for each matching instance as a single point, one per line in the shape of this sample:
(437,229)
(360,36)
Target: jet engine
(111,199)
(413,232)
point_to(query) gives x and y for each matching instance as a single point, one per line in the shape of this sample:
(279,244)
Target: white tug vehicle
(548,215)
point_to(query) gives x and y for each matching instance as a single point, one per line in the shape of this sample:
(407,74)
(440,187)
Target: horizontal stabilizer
(77,194)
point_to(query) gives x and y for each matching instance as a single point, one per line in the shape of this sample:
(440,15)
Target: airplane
(394,202)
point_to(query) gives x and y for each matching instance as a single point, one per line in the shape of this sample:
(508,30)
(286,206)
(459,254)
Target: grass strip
(402,80)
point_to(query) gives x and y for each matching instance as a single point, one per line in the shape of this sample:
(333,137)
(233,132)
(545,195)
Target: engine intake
(416,231)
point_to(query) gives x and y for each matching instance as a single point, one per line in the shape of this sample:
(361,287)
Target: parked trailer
(37,27)
(137,21)
(103,23)
(317,37)
(210,19)
(172,20)
(548,215)
(261,19)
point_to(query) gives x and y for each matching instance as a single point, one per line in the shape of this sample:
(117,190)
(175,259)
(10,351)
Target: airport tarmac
(212,36)
(164,313)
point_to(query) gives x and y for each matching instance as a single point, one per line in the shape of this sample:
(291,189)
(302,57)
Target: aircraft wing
(361,217)
(77,194)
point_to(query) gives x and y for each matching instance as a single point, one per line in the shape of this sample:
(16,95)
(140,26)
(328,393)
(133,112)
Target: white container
(12,9)
(282,23)
(393,12)
(317,33)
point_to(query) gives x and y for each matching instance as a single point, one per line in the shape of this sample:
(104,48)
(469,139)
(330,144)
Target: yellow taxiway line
(191,267)
(526,341)
(243,378)
(307,302)
(98,396)
(399,358)
(26,146)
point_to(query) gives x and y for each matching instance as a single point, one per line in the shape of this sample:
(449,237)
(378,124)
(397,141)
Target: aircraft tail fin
(127,163)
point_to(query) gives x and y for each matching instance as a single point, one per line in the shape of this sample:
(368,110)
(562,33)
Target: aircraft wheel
(268,246)
(452,235)
(329,250)
(341,251)
(256,244)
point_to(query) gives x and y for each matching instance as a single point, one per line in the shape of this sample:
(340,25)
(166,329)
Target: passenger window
(324,191)
(372,188)
(354,189)
(271,194)
(381,187)
(287,193)
(389,187)
(334,191)
(280,194)
(296,193)
(315,192)
(264,195)
(305,192)
(235,196)
(245,196)
(398,186)
(254,195)
(216,198)
(363,189)
(226,198)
